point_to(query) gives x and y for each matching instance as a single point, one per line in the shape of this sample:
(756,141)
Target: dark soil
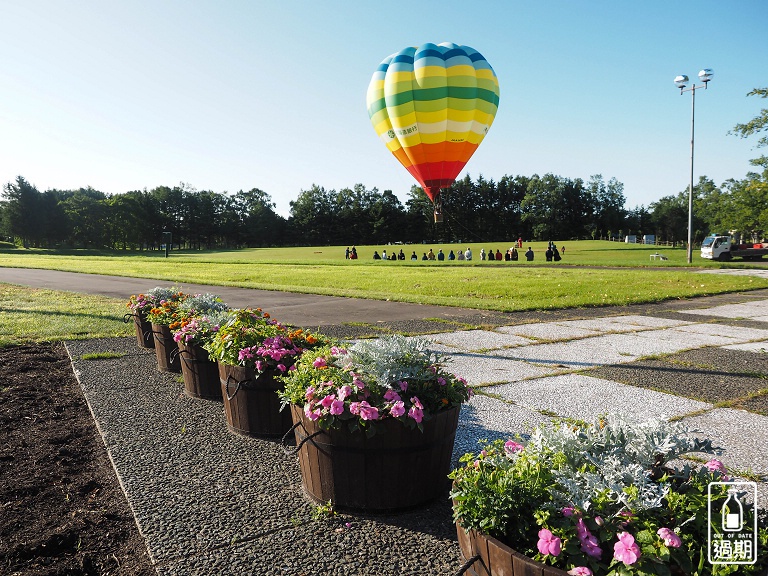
(62,511)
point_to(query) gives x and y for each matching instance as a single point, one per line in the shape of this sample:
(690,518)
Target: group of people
(351,254)
(510,255)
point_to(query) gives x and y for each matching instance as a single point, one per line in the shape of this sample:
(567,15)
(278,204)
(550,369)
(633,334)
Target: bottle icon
(733,512)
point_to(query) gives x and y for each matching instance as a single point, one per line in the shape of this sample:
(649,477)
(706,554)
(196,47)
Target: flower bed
(596,499)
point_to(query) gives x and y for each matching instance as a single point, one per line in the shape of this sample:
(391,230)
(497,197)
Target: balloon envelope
(432,105)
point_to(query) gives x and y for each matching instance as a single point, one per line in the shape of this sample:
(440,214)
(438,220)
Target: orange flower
(311,339)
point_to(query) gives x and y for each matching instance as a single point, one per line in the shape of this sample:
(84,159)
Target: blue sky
(235,95)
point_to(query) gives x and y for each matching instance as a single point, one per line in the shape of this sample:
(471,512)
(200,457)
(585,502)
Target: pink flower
(625,550)
(548,543)
(398,409)
(715,465)
(403,385)
(580,571)
(368,412)
(354,408)
(441,381)
(510,447)
(337,407)
(327,401)
(568,511)
(344,392)
(311,414)
(391,396)
(416,402)
(261,366)
(671,539)
(319,363)
(309,393)
(281,367)
(589,544)
(416,413)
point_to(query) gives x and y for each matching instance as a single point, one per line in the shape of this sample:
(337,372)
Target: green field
(592,273)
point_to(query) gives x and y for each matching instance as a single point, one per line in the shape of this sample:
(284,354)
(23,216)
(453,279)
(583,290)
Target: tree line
(547,207)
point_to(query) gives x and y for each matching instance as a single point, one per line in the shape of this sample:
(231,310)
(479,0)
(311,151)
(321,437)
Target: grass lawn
(592,273)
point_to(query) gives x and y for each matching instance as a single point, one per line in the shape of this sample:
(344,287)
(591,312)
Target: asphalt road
(291,308)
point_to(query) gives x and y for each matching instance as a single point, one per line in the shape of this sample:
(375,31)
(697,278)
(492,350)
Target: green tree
(758,124)
(22,201)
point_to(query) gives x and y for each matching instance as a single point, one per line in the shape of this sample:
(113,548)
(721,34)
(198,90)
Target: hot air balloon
(432,105)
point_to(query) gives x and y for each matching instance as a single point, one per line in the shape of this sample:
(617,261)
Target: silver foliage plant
(615,457)
(203,304)
(392,358)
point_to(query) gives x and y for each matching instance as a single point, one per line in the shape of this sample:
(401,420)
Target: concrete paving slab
(584,397)
(490,419)
(480,369)
(640,321)
(602,325)
(479,339)
(735,332)
(573,355)
(689,339)
(639,344)
(548,331)
(729,311)
(743,435)
(761,347)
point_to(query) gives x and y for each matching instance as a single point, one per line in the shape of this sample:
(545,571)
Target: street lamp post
(681,82)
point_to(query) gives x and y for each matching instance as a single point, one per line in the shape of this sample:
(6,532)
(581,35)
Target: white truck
(721,247)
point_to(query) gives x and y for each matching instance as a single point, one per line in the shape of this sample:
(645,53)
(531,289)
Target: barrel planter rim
(328,457)
(492,557)
(255,412)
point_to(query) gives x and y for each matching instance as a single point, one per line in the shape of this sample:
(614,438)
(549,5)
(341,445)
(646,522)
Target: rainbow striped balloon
(432,105)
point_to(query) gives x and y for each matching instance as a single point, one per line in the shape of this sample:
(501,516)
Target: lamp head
(681,81)
(706,75)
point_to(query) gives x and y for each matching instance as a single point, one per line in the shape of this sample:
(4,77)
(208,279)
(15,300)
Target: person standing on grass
(346,254)
(353,253)
(468,254)
(529,255)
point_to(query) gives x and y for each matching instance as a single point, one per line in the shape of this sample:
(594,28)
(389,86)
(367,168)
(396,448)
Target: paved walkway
(210,502)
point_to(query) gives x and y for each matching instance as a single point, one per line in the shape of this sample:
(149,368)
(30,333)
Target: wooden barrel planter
(201,374)
(358,473)
(251,403)
(144,337)
(166,350)
(494,558)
